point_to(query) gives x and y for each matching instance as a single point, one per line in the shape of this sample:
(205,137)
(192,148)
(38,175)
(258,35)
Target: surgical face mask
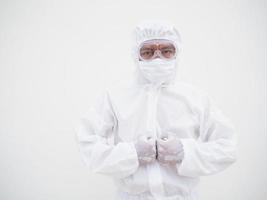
(158,70)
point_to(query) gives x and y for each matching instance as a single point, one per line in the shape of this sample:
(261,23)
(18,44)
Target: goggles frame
(157,52)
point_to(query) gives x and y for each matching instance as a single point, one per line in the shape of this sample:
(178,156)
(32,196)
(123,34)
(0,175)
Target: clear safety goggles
(160,48)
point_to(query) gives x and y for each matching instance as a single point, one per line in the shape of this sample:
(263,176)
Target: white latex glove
(170,150)
(146,149)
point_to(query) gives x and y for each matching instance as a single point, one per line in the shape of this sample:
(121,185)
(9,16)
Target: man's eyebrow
(146,48)
(167,48)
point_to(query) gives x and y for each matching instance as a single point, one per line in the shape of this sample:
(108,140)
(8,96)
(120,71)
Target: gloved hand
(146,149)
(170,150)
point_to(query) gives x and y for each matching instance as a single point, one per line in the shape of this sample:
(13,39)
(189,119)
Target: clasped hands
(167,149)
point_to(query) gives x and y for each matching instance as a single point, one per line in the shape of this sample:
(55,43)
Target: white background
(55,56)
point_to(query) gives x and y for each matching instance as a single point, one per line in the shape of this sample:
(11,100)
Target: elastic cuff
(186,166)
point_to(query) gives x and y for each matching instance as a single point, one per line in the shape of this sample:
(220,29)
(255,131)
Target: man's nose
(157,52)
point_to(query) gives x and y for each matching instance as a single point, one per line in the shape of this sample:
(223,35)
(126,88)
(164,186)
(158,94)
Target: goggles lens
(164,49)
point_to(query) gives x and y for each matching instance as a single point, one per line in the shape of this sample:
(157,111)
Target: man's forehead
(157,43)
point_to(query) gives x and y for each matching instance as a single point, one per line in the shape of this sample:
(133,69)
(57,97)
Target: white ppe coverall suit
(140,106)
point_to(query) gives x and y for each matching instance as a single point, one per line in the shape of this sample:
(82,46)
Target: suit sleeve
(215,148)
(94,132)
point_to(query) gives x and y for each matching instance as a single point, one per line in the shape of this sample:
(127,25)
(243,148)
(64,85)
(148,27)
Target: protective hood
(156,72)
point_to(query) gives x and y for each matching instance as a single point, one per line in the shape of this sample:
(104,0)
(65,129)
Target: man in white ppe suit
(154,135)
